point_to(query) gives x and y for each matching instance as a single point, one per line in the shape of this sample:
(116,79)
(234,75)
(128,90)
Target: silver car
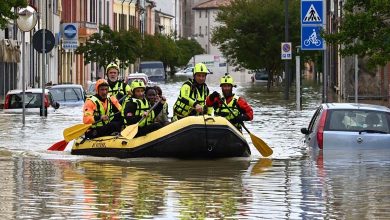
(68,94)
(348,125)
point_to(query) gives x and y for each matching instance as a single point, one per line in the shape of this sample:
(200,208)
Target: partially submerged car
(348,126)
(32,101)
(68,94)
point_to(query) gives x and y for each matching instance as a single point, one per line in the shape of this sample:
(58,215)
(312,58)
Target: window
(206,31)
(200,30)
(200,14)
(115,22)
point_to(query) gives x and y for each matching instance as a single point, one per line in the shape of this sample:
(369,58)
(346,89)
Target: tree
(7,13)
(364,30)
(187,49)
(111,46)
(251,32)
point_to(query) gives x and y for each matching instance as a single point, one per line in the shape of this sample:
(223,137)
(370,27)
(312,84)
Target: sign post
(286,51)
(313,21)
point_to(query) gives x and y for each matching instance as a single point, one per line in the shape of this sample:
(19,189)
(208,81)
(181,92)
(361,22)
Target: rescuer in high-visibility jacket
(233,107)
(99,111)
(192,97)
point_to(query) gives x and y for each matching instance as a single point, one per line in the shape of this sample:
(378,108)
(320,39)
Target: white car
(32,101)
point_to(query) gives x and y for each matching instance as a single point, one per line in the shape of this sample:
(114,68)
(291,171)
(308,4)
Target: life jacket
(142,106)
(224,111)
(99,111)
(119,90)
(182,107)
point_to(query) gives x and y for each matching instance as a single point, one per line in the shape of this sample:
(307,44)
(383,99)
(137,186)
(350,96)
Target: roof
(211,4)
(31,90)
(356,106)
(67,86)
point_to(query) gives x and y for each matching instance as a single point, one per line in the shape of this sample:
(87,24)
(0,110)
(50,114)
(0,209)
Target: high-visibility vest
(142,106)
(224,111)
(119,88)
(99,111)
(182,106)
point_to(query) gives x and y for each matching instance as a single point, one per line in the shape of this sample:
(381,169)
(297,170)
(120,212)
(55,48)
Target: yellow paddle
(130,131)
(260,145)
(77,130)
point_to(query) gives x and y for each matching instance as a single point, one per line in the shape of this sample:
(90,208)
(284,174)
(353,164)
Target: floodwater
(294,183)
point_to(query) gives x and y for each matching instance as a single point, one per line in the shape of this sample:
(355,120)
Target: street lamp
(26,22)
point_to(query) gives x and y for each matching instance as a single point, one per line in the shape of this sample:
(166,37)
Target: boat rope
(209,148)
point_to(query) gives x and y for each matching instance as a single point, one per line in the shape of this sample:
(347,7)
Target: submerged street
(294,183)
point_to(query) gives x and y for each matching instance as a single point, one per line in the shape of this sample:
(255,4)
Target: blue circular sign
(70,31)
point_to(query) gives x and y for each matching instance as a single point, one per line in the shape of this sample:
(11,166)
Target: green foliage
(187,49)
(367,23)
(111,46)
(252,31)
(6,10)
(126,46)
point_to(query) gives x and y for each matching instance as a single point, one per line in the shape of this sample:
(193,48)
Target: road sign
(311,39)
(70,36)
(38,41)
(312,12)
(286,51)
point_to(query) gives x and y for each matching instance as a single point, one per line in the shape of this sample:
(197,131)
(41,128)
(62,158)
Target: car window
(67,94)
(32,100)
(358,120)
(314,120)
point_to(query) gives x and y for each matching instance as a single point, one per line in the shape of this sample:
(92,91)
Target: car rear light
(6,102)
(46,101)
(320,132)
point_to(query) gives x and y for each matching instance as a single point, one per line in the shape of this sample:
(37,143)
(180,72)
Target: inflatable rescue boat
(190,137)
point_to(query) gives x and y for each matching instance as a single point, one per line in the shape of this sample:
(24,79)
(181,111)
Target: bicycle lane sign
(311,38)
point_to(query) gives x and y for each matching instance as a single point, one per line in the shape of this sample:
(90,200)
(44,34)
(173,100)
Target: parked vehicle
(68,94)
(186,72)
(91,88)
(259,76)
(32,101)
(153,69)
(140,76)
(189,71)
(348,125)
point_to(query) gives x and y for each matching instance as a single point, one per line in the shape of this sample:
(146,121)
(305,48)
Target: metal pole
(298,79)
(43,112)
(286,72)
(356,74)
(23,77)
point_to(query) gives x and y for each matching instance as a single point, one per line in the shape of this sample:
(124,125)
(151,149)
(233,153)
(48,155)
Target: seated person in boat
(192,97)
(99,111)
(137,109)
(117,87)
(233,107)
(161,118)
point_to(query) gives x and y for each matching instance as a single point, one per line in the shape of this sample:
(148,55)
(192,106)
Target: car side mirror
(56,105)
(305,131)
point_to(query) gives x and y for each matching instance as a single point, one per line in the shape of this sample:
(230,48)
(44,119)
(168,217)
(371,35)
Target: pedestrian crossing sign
(312,12)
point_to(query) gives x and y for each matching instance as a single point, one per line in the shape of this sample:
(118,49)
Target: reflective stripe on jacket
(120,88)
(224,111)
(100,111)
(142,106)
(190,96)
